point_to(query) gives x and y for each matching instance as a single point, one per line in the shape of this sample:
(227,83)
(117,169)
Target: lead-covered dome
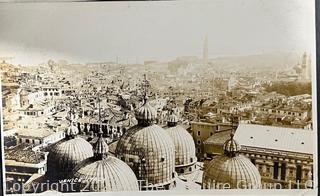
(185,150)
(231,169)
(66,154)
(146,114)
(148,150)
(104,172)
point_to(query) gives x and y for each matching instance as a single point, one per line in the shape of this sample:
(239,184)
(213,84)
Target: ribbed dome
(237,172)
(185,151)
(146,114)
(149,151)
(104,172)
(100,147)
(110,174)
(232,169)
(172,120)
(65,155)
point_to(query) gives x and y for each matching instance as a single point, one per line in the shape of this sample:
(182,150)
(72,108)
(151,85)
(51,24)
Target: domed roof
(231,169)
(185,150)
(103,172)
(148,149)
(66,154)
(109,174)
(152,148)
(146,114)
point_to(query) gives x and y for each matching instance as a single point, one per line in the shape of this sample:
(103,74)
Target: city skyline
(102,34)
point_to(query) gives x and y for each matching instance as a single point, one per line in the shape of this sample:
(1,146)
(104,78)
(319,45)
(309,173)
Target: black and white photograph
(158,96)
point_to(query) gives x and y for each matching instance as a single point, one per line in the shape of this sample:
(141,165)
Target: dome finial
(231,135)
(72,130)
(146,114)
(145,98)
(145,85)
(100,148)
(231,147)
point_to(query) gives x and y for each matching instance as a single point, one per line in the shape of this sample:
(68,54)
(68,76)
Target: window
(191,160)
(298,173)
(27,141)
(283,171)
(198,133)
(275,170)
(199,142)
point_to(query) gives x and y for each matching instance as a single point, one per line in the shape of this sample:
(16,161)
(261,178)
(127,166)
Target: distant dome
(103,172)
(148,150)
(66,154)
(185,150)
(232,169)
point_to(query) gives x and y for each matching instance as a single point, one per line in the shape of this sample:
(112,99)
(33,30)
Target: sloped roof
(219,137)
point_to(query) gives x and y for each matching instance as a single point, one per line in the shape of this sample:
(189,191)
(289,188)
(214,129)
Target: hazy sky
(92,32)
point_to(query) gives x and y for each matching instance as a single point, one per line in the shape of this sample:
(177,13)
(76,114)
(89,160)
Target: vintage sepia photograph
(178,96)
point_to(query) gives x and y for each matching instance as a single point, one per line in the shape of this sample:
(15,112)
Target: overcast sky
(92,32)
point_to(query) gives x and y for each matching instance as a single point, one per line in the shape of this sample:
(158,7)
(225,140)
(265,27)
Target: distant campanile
(205,51)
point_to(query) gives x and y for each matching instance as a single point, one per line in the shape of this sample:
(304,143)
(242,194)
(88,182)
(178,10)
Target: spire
(72,130)
(145,86)
(100,148)
(99,112)
(146,114)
